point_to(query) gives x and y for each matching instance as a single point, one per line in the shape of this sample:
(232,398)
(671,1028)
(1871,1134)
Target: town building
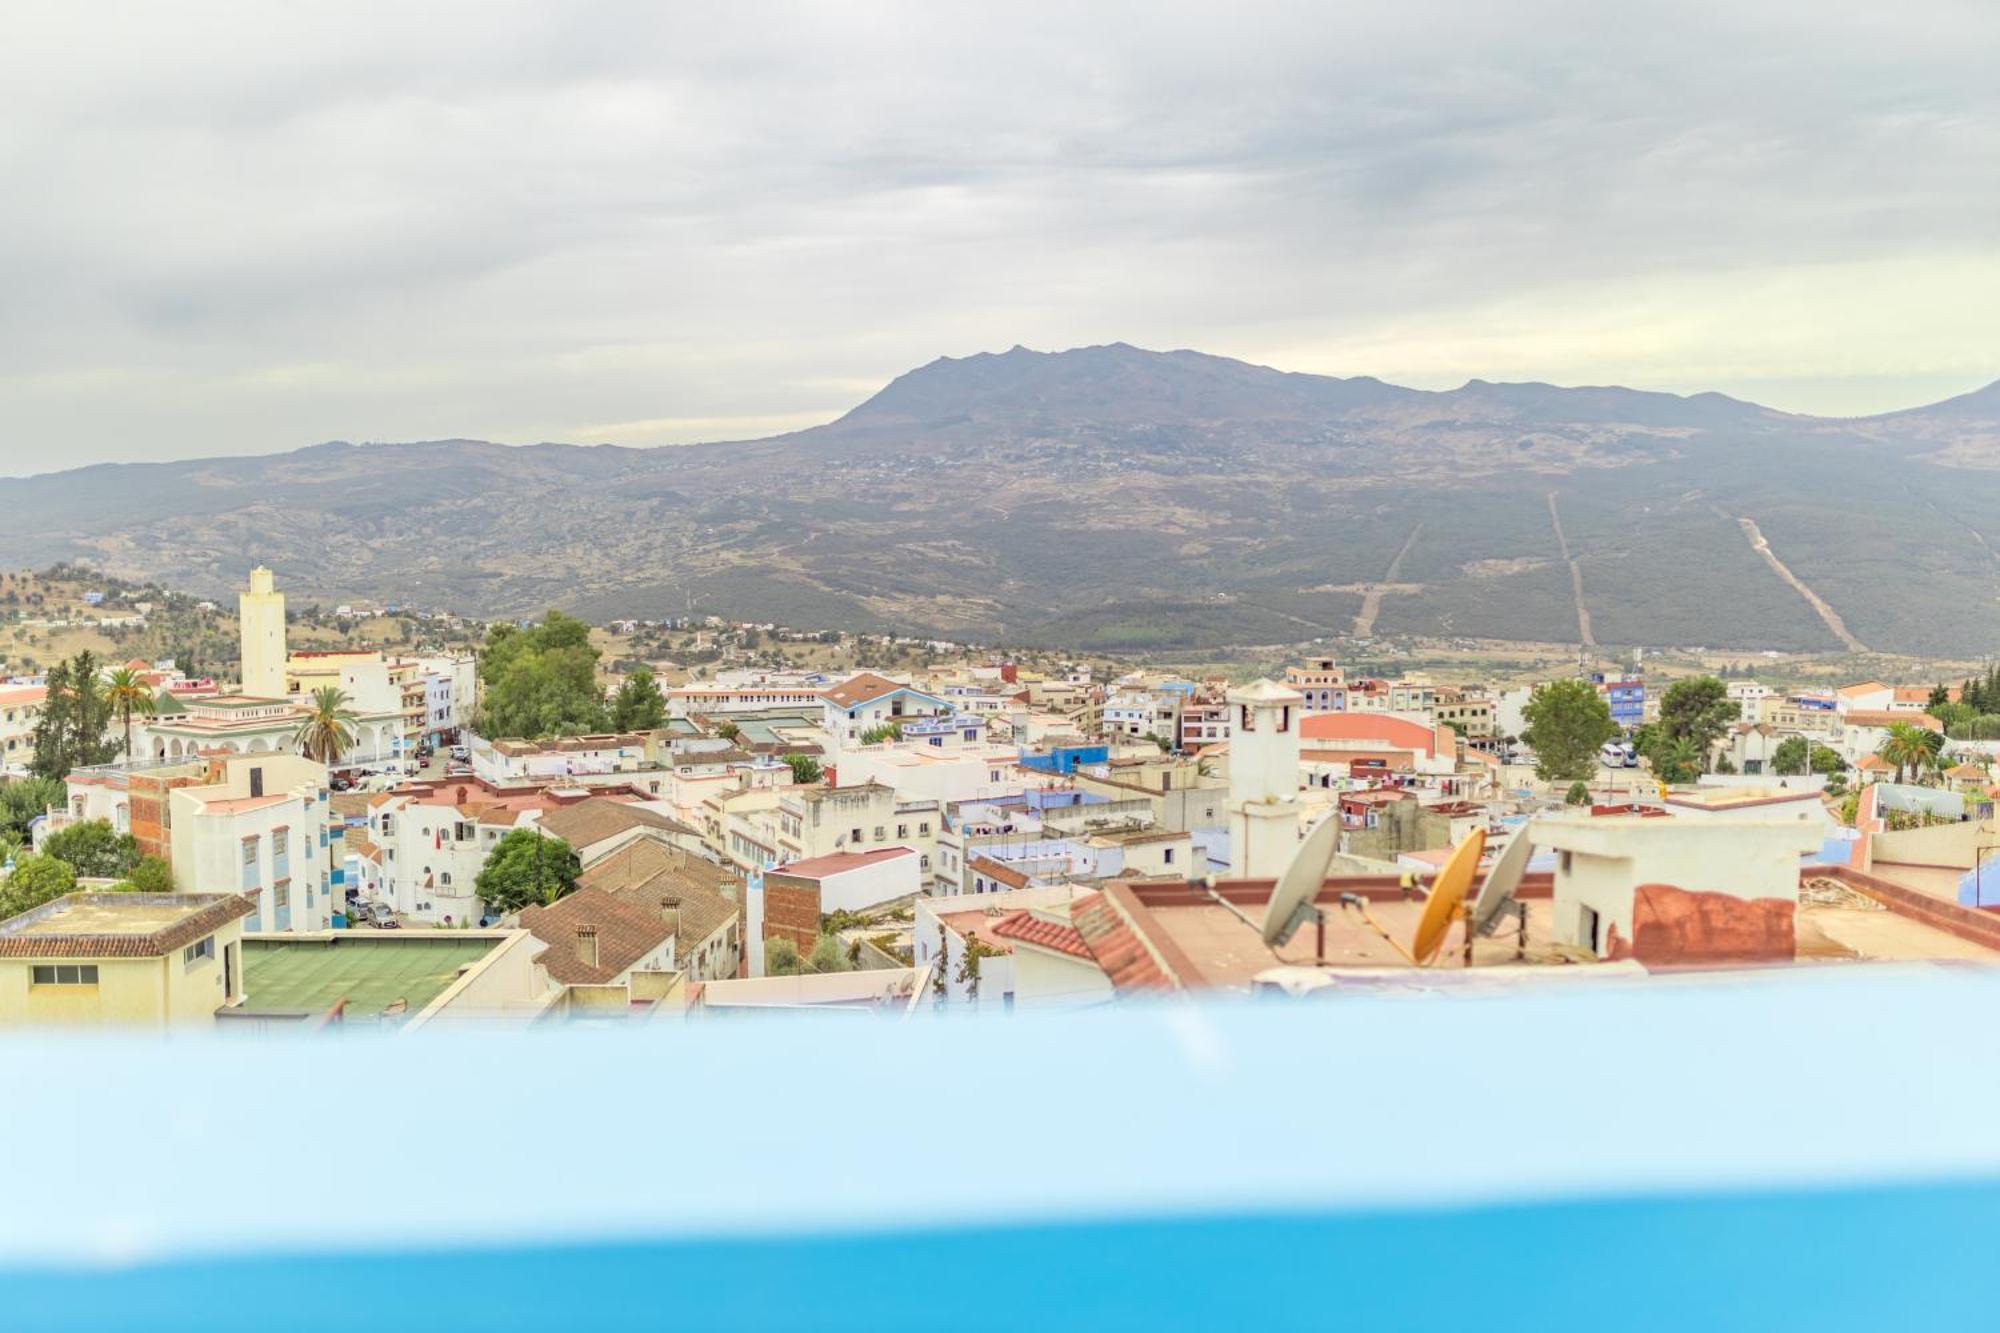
(131,959)
(260,616)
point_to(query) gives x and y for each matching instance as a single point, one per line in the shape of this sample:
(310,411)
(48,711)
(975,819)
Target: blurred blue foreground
(1791,1150)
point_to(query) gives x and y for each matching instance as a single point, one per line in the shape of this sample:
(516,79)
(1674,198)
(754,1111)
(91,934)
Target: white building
(855,881)
(263,828)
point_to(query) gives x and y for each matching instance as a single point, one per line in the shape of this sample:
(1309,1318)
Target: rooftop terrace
(368,971)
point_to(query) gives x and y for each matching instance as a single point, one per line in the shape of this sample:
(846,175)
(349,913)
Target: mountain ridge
(1118,497)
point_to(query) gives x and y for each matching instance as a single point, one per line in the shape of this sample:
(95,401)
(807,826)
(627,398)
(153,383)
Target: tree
(1696,710)
(1908,747)
(540,681)
(1827,760)
(806,770)
(829,955)
(968,966)
(126,694)
(1578,793)
(639,705)
(888,731)
(729,731)
(36,880)
(527,867)
(1675,759)
(327,731)
(26,799)
(93,850)
(150,874)
(1568,723)
(781,957)
(73,728)
(1792,755)
(1939,697)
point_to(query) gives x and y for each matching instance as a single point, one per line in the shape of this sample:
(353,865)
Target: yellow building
(260,619)
(133,959)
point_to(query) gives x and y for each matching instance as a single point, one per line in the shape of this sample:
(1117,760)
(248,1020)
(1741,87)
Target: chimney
(586,945)
(670,912)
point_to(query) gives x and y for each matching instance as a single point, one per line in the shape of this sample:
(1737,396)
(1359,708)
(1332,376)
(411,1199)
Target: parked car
(462,754)
(383,921)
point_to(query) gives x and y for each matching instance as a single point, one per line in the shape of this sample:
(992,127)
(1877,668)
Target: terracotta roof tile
(1031,929)
(1117,948)
(625,934)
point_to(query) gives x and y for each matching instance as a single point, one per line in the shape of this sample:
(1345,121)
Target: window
(902,830)
(280,841)
(1167,857)
(66,974)
(198,952)
(880,833)
(444,877)
(923,828)
(854,835)
(249,851)
(281,894)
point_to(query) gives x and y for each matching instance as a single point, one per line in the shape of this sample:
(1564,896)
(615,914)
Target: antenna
(1497,901)
(1291,904)
(1447,897)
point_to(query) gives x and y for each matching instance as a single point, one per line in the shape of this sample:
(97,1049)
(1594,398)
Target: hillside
(1115,497)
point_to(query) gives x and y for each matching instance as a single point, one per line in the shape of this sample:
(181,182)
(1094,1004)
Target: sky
(243,228)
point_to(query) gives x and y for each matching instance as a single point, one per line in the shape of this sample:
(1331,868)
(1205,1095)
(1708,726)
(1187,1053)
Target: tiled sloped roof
(596,819)
(211,912)
(625,934)
(1117,947)
(1031,929)
(641,874)
(861,689)
(987,866)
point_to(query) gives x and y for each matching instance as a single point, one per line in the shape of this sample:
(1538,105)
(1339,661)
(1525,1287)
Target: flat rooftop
(96,916)
(369,972)
(91,924)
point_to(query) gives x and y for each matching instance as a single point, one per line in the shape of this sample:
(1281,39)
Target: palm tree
(328,728)
(127,694)
(1906,748)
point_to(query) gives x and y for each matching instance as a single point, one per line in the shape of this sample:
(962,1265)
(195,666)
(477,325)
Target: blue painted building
(1066,759)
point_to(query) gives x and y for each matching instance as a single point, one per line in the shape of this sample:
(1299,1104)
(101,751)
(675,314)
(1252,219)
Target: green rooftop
(368,971)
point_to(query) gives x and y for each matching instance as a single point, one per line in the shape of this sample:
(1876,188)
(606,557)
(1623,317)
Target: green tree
(1568,723)
(828,955)
(36,880)
(1578,793)
(806,770)
(1697,710)
(1792,755)
(26,799)
(1939,697)
(892,731)
(781,957)
(93,850)
(127,694)
(540,681)
(73,728)
(1909,749)
(1827,760)
(327,731)
(639,705)
(527,867)
(968,965)
(1675,759)
(150,874)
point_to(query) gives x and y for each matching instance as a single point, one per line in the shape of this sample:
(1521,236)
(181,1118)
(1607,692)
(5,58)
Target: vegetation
(70,733)
(968,965)
(1694,714)
(541,681)
(93,851)
(23,800)
(806,770)
(639,705)
(1578,793)
(781,957)
(128,695)
(1909,748)
(327,732)
(36,880)
(526,868)
(1568,723)
(151,874)
(887,731)
(1795,755)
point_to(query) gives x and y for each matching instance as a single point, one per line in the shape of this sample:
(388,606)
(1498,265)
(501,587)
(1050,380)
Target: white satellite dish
(1501,882)
(1291,904)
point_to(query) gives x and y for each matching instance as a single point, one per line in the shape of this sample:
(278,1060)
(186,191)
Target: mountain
(1114,497)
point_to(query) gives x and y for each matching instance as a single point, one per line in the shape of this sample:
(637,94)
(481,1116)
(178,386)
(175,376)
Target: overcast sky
(242,228)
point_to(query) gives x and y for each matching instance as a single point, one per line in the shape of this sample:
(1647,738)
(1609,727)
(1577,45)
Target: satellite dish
(1292,896)
(1501,882)
(1447,893)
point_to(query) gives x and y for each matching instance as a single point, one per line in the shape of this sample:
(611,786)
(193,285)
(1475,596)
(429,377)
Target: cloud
(241,227)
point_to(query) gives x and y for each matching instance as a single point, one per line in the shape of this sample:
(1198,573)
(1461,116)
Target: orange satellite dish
(1447,894)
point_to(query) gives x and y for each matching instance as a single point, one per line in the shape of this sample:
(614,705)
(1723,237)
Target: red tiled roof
(987,866)
(1866,717)
(1126,960)
(624,932)
(818,867)
(861,689)
(1031,929)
